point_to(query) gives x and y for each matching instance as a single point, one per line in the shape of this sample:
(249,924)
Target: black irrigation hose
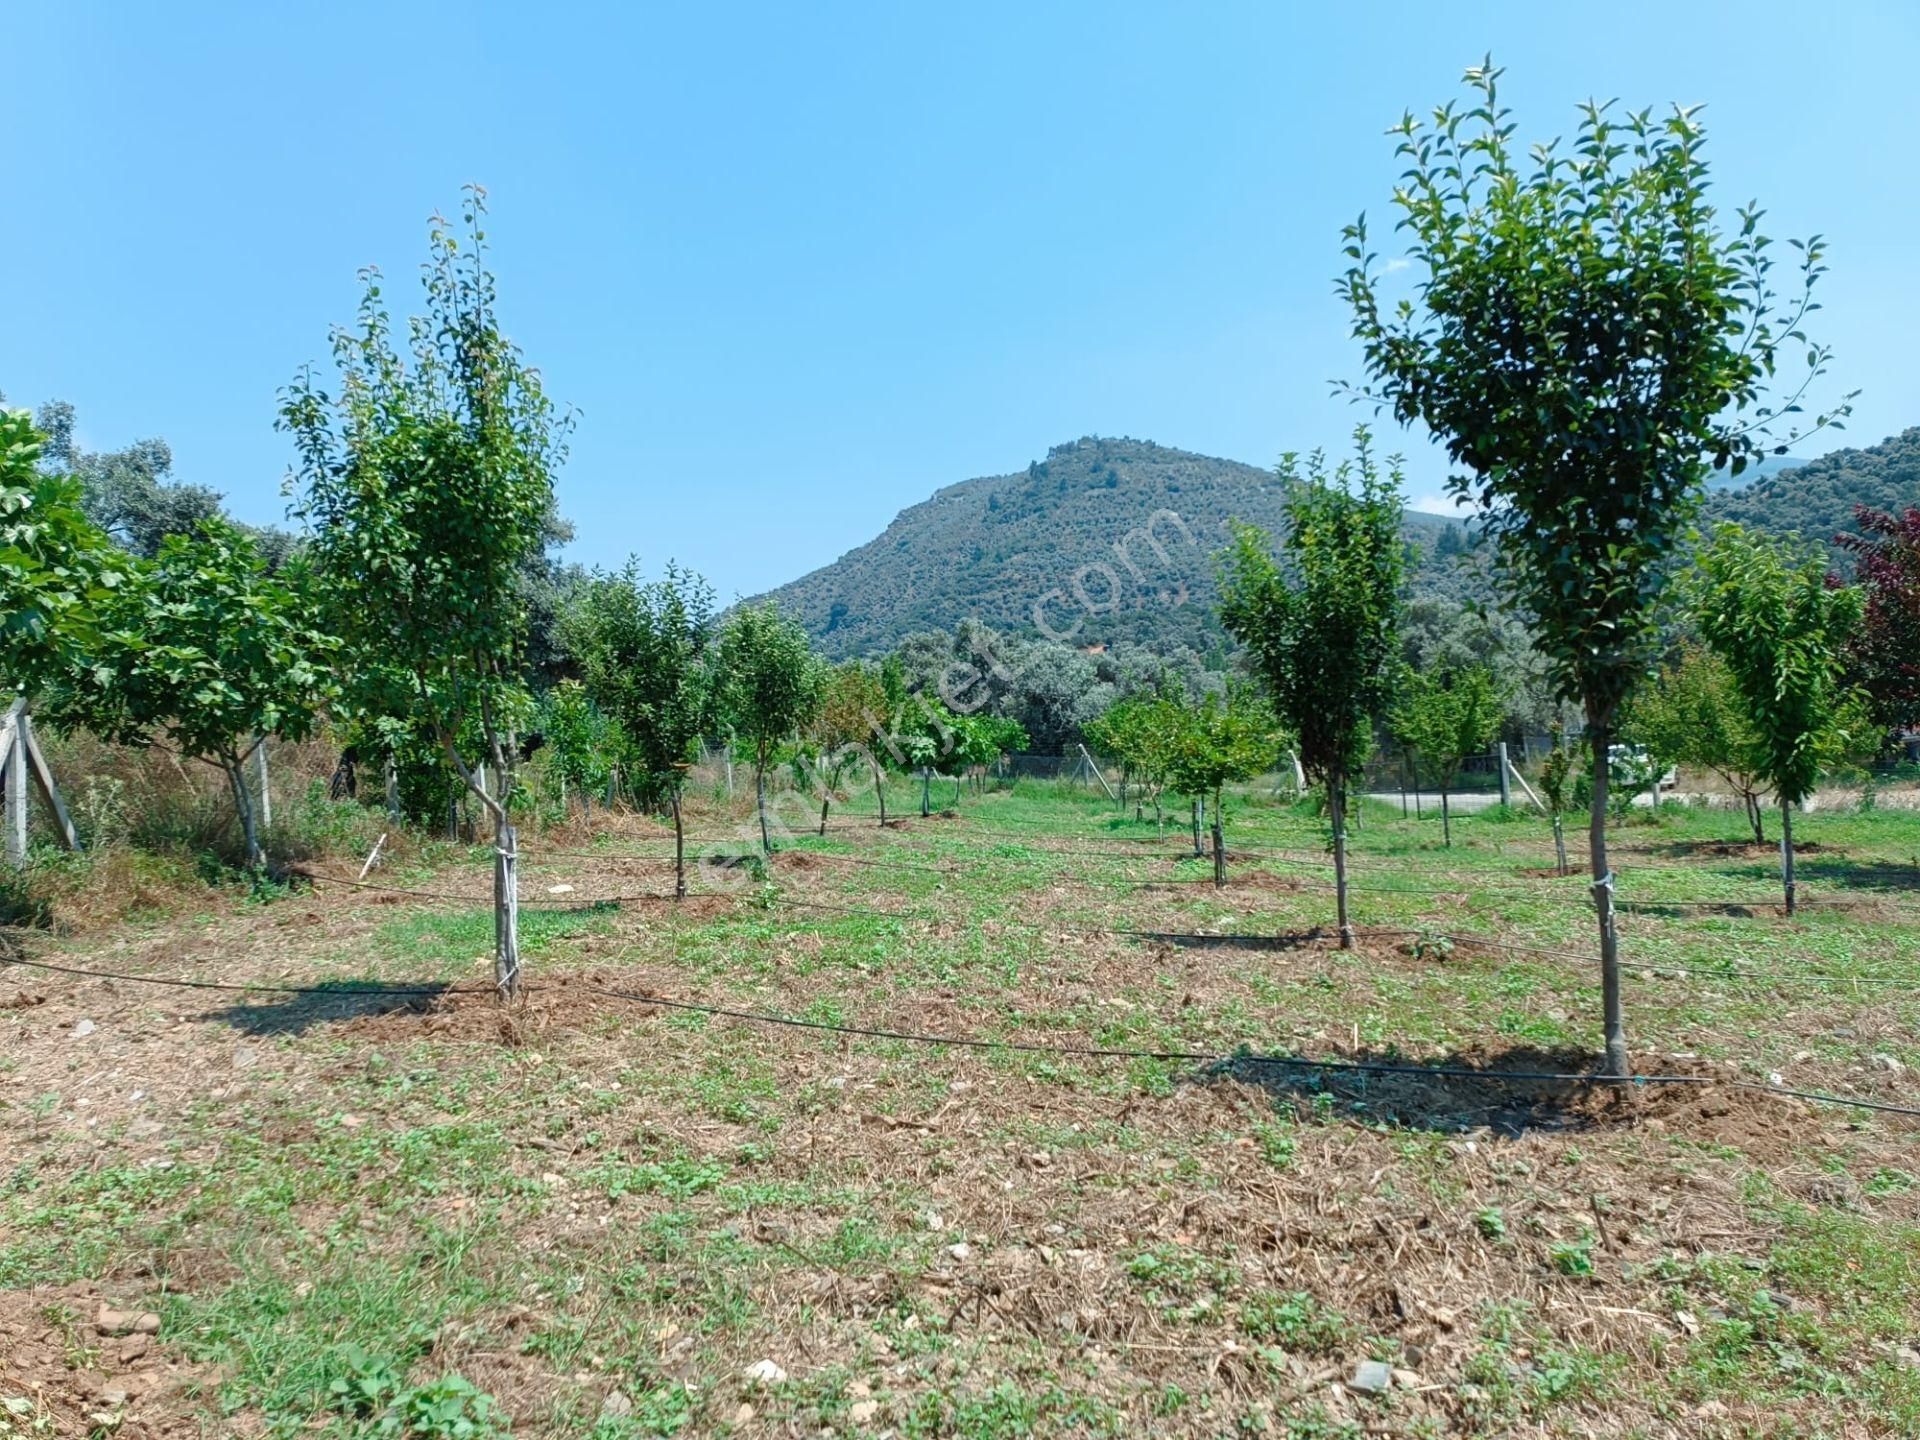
(348,990)
(973,1042)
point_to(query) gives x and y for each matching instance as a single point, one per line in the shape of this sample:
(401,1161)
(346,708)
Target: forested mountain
(1816,499)
(1104,542)
(1112,541)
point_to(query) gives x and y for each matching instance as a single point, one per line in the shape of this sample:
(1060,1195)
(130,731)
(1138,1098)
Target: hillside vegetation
(1111,541)
(1816,500)
(1107,540)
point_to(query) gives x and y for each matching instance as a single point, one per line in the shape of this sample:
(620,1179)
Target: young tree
(1218,743)
(1443,717)
(1556,778)
(579,741)
(853,709)
(1886,651)
(883,745)
(1141,733)
(1587,340)
(1692,715)
(1782,631)
(205,650)
(979,741)
(770,684)
(428,483)
(643,649)
(1322,643)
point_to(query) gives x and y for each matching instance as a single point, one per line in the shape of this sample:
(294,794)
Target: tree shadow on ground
(328,1004)
(1450,1094)
(1189,940)
(1861,874)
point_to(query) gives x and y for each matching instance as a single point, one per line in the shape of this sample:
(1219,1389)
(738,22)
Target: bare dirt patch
(85,1365)
(554,1003)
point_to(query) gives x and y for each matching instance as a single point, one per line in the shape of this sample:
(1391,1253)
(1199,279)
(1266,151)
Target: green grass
(972,1240)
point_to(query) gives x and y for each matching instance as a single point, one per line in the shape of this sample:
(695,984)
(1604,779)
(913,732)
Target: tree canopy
(428,481)
(204,650)
(1587,338)
(57,569)
(1321,634)
(1886,649)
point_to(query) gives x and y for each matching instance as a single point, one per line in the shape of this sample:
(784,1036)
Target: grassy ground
(357,1214)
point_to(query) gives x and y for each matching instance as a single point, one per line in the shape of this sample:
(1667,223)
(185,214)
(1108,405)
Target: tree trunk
(1754,814)
(679,850)
(926,791)
(242,803)
(824,802)
(760,802)
(1197,851)
(1446,820)
(1559,842)
(727,752)
(1337,806)
(1786,851)
(880,792)
(1613,1015)
(1219,849)
(506,905)
(393,788)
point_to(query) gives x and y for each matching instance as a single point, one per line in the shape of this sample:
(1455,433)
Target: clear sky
(797,266)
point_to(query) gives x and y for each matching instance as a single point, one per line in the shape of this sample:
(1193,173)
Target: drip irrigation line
(974,1042)
(482,900)
(349,989)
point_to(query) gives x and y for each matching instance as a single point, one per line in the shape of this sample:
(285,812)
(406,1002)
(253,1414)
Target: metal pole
(1506,788)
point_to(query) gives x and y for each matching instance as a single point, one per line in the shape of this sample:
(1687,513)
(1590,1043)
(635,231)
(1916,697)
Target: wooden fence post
(27,747)
(13,758)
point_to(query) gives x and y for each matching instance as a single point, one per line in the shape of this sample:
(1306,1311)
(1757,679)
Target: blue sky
(796,267)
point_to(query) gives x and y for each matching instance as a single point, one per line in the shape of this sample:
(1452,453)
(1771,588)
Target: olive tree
(428,483)
(1322,632)
(1587,337)
(1443,716)
(643,649)
(1782,631)
(769,684)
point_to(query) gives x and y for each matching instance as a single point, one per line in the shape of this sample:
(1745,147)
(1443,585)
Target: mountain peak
(1107,539)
